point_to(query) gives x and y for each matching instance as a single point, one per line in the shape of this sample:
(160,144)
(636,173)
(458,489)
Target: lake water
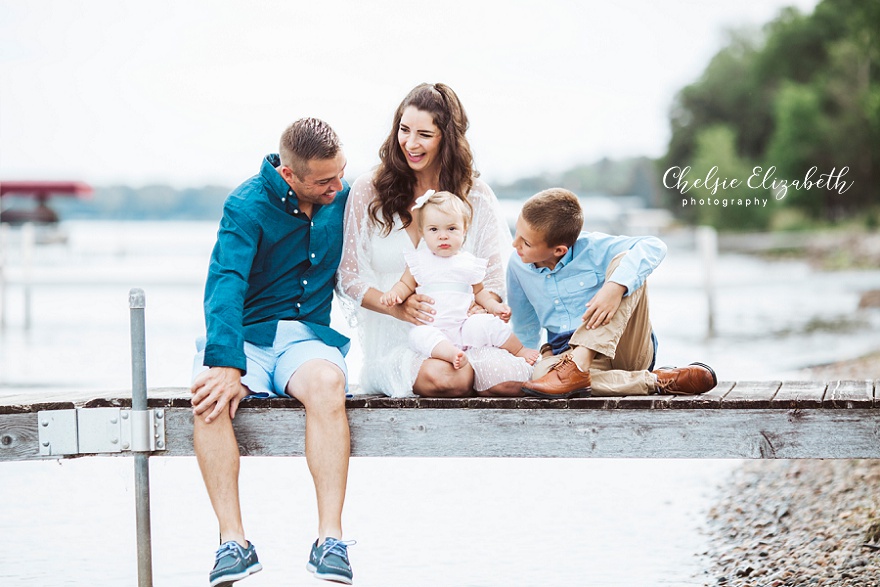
(443,522)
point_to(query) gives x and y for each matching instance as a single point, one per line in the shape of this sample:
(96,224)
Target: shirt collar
(565,260)
(278,188)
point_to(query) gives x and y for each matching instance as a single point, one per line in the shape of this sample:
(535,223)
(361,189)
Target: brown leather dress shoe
(564,379)
(694,379)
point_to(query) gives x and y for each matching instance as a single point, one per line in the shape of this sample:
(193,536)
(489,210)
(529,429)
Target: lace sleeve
(355,274)
(491,236)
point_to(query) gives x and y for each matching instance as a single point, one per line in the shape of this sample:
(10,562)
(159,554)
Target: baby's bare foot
(530,355)
(460,360)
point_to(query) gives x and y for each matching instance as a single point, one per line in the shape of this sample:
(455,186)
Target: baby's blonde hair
(450,204)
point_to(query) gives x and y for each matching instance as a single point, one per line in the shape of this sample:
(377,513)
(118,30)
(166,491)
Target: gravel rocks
(797,523)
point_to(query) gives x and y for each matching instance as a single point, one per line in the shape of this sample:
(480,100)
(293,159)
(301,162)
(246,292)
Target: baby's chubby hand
(502,311)
(390,298)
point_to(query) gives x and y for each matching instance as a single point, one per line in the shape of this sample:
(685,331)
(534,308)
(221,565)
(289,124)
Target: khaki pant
(623,347)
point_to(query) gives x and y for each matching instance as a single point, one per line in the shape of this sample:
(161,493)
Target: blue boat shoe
(234,563)
(329,561)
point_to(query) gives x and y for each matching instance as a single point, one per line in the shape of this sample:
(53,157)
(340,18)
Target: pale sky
(195,92)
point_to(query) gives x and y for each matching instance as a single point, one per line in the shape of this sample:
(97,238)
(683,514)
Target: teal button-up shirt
(556,299)
(271,262)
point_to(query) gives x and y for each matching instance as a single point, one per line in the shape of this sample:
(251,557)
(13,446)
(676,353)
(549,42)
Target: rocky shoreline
(797,523)
(800,523)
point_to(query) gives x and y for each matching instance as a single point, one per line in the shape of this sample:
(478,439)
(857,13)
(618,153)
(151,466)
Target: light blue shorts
(269,368)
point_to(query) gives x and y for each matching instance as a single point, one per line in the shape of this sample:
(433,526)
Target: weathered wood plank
(849,394)
(19,437)
(526,432)
(799,394)
(751,395)
(644,402)
(727,394)
(710,399)
(593,403)
(429,432)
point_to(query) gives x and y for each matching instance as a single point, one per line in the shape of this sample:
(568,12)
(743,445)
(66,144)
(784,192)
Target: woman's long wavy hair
(395,181)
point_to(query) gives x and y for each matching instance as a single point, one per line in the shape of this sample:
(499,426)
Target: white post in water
(707,243)
(28,241)
(137,302)
(3,232)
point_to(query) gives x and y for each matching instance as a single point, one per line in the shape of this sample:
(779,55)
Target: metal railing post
(137,302)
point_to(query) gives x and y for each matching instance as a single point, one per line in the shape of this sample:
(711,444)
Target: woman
(425,150)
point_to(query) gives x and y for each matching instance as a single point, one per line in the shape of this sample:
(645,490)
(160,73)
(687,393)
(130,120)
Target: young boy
(556,274)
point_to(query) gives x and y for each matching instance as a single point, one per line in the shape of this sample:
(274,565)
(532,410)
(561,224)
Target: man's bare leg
(217,453)
(320,386)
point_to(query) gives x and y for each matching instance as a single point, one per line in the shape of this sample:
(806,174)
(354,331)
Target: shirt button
(548,277)
(298,305)
(555,301)
(313,223)
(290,193)
(296,211)
(313,255)
(305,281)
(582,283)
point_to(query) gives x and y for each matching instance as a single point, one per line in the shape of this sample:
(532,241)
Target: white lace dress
(373,260)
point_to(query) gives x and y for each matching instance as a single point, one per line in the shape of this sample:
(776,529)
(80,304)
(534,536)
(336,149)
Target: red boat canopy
(43,189)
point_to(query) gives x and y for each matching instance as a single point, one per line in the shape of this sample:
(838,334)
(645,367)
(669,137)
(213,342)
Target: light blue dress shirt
(556,299)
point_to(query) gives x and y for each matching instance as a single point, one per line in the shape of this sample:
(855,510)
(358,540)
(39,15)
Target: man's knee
(220,421)
(320,386)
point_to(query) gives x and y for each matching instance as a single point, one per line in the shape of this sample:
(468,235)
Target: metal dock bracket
(100,430)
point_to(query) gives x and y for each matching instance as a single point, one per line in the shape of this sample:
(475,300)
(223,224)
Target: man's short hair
(556,214)
(305,140)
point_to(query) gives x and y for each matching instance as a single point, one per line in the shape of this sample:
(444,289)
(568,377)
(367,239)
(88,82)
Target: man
(267,311)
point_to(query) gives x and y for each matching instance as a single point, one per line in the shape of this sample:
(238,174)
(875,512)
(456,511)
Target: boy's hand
(603,306)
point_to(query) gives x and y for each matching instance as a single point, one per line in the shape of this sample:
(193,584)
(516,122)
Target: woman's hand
(417,309)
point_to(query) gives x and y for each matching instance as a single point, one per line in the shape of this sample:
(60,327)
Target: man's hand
(417,309)
(217,389)
(603,306)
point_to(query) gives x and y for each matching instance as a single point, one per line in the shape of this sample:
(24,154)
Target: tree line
(801,99)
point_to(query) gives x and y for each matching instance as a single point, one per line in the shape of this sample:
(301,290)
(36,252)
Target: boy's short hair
(450,204)
(555,213)
(305,140)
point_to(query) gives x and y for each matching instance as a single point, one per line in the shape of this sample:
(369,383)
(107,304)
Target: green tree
(716,147)
(797,142)
(804,93)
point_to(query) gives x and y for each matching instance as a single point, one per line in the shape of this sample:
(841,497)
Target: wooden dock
(752,419)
